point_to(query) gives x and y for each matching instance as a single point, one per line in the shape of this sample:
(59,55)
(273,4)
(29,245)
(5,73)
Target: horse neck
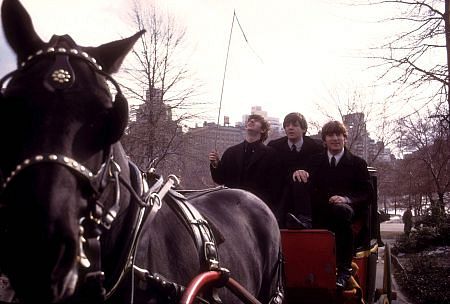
(116,241)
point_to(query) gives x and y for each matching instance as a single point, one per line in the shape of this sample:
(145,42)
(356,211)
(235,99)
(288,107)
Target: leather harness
(148,190)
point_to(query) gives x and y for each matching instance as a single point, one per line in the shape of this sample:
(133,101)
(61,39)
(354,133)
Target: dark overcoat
(295,161)
(350,178)
(293,196)
(257,176)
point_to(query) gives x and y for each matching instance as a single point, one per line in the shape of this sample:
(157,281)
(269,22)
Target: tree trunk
(441,203)
(447,46)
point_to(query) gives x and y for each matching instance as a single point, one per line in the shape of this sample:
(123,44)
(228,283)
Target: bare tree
(429,162)
(417,58)
(163,89)
(359,113)
(414,62)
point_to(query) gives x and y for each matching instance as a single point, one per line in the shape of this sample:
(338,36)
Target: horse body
(64,172)
(249,248)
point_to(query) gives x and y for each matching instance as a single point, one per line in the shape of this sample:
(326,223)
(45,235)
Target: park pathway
(389,232)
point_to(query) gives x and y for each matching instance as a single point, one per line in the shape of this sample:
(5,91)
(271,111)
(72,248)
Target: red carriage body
(310,266)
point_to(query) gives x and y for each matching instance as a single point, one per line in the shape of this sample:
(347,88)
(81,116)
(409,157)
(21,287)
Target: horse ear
(19,29)
(110,55)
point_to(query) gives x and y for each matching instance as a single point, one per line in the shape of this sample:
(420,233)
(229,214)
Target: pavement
(389,232)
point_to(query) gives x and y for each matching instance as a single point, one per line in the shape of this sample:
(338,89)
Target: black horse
(77,222)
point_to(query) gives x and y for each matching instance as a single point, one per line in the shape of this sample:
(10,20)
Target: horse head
(58,124)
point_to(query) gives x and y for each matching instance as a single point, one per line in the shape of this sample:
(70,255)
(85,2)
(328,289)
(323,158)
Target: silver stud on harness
(61,76)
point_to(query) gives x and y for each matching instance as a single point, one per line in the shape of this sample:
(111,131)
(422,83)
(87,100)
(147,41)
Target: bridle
(60,77)
(106,176)
(106,181)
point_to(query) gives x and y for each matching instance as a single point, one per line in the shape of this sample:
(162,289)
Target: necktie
(333,162)
(294,148)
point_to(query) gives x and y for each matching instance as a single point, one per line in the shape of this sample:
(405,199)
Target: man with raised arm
(250,165)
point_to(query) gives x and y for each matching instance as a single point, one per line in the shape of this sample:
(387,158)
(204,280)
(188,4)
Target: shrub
(427,234)
(424,281)
(418,240)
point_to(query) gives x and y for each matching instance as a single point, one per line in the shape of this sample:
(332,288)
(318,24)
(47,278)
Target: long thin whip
(246,40)
(225,69)
(223,80)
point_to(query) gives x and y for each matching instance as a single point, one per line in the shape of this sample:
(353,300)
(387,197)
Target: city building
(199,142)
(212,136)
(152,135)
(276,128)
(359,141)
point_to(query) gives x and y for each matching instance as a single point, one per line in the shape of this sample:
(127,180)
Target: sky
(299,54)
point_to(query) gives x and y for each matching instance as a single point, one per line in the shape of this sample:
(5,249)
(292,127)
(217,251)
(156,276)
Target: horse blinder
(117,119)
(61,76)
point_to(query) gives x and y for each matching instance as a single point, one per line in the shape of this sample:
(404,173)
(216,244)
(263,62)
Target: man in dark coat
(250,165)
(407,220)
(341,193)
(294,152)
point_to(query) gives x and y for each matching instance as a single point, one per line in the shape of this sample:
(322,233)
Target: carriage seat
(310,268)
(359,227)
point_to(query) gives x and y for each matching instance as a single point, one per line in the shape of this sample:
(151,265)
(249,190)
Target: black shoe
(342,278)
(294,222)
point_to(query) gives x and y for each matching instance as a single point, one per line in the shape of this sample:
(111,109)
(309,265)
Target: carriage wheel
(387,275)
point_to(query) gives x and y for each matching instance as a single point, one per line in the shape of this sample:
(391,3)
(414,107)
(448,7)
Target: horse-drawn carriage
(309,265)
(79,223)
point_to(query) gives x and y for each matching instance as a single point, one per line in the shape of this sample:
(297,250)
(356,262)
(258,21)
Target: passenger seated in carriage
(293,206)
(341,190)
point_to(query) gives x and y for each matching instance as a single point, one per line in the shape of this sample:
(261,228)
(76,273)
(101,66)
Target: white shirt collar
(337,156)
(298,144)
